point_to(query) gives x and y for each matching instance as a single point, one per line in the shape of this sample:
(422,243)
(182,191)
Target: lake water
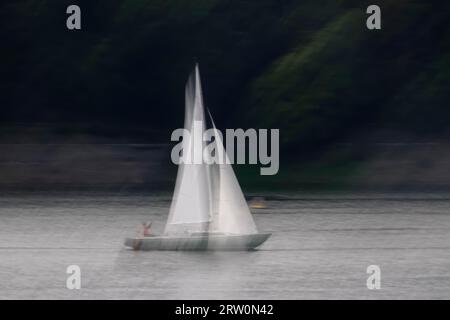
(320,249)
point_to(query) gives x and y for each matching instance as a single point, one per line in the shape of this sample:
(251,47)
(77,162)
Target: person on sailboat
(145,231)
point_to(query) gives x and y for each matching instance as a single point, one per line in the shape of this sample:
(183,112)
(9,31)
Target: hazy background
(95,108)
(85,124)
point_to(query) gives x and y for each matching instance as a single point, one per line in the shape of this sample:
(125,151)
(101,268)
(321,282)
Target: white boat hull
(198,243)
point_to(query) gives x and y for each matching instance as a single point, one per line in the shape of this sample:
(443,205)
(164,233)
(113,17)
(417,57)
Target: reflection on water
(320,248)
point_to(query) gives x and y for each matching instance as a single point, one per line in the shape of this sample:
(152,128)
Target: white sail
(191,204)
(230,210)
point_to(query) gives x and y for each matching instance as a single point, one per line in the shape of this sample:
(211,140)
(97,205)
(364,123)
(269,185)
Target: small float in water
(258,203)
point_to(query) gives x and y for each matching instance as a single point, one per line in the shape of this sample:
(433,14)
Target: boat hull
(198,243)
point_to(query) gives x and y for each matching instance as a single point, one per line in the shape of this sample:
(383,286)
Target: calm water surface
(320,249)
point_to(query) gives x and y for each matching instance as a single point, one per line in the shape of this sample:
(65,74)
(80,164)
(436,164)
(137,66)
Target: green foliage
(310,68)
(346,77)
(312,83)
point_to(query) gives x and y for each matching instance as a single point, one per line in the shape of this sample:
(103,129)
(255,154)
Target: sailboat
(208,209)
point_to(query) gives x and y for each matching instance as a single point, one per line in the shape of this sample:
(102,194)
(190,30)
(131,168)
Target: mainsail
(207,197)
(190,208)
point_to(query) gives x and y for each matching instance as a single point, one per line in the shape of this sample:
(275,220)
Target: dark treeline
(308,67)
